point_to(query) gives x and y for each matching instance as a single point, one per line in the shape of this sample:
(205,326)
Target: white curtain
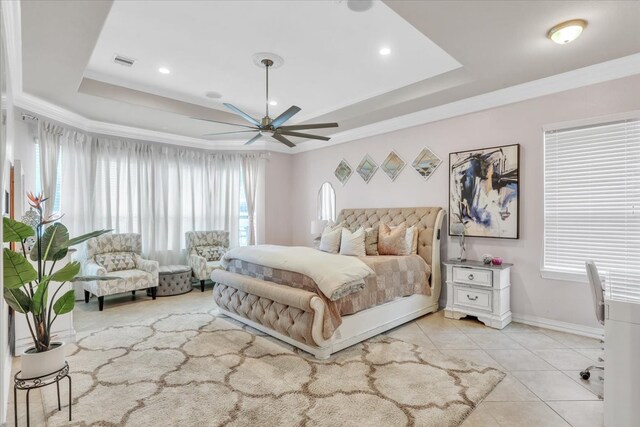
(158,191)
(49,138)
(250,174)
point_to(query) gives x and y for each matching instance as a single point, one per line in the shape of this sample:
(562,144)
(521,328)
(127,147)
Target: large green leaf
(17,270)
(66,273)
(17,300)
(85,237)
(53,243)
(15,231)
(65,303)
(40,297)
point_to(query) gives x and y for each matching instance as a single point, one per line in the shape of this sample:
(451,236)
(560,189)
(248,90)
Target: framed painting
(484,191)
(392,165)
(343,171)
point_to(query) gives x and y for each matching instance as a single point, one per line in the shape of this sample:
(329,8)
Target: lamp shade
(317,226)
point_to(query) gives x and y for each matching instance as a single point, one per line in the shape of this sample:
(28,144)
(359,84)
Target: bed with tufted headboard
(260,297)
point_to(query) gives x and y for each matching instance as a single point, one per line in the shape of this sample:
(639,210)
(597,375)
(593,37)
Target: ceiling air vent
(122,60)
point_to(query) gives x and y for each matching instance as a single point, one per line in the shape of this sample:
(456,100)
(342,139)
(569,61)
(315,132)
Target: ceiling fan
(272,126)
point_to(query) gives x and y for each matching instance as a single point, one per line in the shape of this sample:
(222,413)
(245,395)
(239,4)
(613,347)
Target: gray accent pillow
(116,261)
(371,241)
(211,253)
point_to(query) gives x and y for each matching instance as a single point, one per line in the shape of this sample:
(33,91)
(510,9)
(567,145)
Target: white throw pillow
(353,243)
(330,240)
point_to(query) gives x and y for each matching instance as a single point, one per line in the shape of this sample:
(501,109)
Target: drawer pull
(471,277)
(472,299)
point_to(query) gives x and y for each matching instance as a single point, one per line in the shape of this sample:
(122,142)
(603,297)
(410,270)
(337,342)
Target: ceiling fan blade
(285,116)
(282,139)
(303,135)
(228,133)
(254,139)
(224,123)
(310,126)
(242,114)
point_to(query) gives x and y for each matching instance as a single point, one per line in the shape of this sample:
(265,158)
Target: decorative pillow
(371,241)
(211,253)
(116,261)
(330,239)
(392,241)
(352,243)
(411,240)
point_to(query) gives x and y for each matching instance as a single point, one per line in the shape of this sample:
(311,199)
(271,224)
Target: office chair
(598,301)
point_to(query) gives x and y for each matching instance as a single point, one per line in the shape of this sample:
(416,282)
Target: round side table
(29,384)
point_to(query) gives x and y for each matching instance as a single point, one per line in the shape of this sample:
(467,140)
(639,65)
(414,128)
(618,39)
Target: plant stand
(29,384)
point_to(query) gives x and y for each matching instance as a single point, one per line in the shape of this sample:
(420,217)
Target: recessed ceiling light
(213,95)
(568,31)
(164,70)
(274,103)
(359,5)
(385,51)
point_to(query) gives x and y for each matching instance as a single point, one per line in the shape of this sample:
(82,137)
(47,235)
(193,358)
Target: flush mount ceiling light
(213,95)
(164,70)
(274,103)
(568,31)
(359,5)
(384,51)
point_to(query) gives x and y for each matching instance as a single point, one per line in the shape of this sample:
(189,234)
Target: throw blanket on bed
(335,275)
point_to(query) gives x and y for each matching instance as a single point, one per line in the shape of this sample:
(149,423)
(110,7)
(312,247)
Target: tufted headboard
(429,223)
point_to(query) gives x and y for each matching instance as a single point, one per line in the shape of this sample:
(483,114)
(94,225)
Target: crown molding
(593,74)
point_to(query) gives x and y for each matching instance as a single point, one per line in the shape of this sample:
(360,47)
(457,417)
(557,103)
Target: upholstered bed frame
(296,316)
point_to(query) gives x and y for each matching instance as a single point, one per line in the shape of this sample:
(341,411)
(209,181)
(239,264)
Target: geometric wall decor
(426,163)
(343,171)
(392,165)
(484,190)
(367,168)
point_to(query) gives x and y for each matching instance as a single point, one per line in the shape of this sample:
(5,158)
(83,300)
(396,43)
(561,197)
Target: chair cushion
(116,261)
(123,281)
(211,253)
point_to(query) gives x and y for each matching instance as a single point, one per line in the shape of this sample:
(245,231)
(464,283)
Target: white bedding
(335,275)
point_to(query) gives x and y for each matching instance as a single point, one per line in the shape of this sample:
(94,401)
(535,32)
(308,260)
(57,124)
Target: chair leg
(87,295)
(201,285)
(153,292)
(101,303)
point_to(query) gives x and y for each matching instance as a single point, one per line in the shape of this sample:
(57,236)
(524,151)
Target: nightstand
(478,289)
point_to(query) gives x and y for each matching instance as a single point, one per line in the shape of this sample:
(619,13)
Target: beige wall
(517,123)
(278,178)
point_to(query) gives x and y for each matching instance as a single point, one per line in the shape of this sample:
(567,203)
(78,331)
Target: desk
(622,363)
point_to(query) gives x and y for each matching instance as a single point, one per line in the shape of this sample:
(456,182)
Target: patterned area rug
(197,369)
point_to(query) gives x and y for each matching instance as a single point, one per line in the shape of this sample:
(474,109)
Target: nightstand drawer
(474,298)
(472,276)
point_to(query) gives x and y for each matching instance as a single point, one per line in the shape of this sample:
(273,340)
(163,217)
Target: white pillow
(412,240)
(330,240)
(353,243)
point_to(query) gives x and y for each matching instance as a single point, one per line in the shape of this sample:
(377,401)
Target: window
(38,189)
(592,203)
(243,229)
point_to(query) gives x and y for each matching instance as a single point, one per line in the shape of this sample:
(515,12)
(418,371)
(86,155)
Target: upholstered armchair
(117,255)
(204,251)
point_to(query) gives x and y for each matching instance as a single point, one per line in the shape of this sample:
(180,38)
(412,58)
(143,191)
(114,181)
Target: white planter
(40,364)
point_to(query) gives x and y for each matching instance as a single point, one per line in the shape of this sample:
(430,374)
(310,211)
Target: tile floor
(542,386)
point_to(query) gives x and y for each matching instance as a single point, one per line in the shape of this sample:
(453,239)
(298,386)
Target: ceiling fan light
(568,31)
(164,70)
(273,103)
(384,51)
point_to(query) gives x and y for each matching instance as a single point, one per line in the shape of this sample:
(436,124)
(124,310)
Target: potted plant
(27,288)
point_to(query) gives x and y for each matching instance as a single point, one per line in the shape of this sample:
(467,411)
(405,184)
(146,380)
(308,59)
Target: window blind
(592,202)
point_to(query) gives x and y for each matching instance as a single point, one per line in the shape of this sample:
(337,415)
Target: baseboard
(556,325)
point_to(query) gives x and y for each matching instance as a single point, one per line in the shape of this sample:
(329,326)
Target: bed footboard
(291,312)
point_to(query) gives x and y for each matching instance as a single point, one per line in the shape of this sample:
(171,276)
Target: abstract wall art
(392,165)
(484,189)
(343,172)
(426,163)
(367,168)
